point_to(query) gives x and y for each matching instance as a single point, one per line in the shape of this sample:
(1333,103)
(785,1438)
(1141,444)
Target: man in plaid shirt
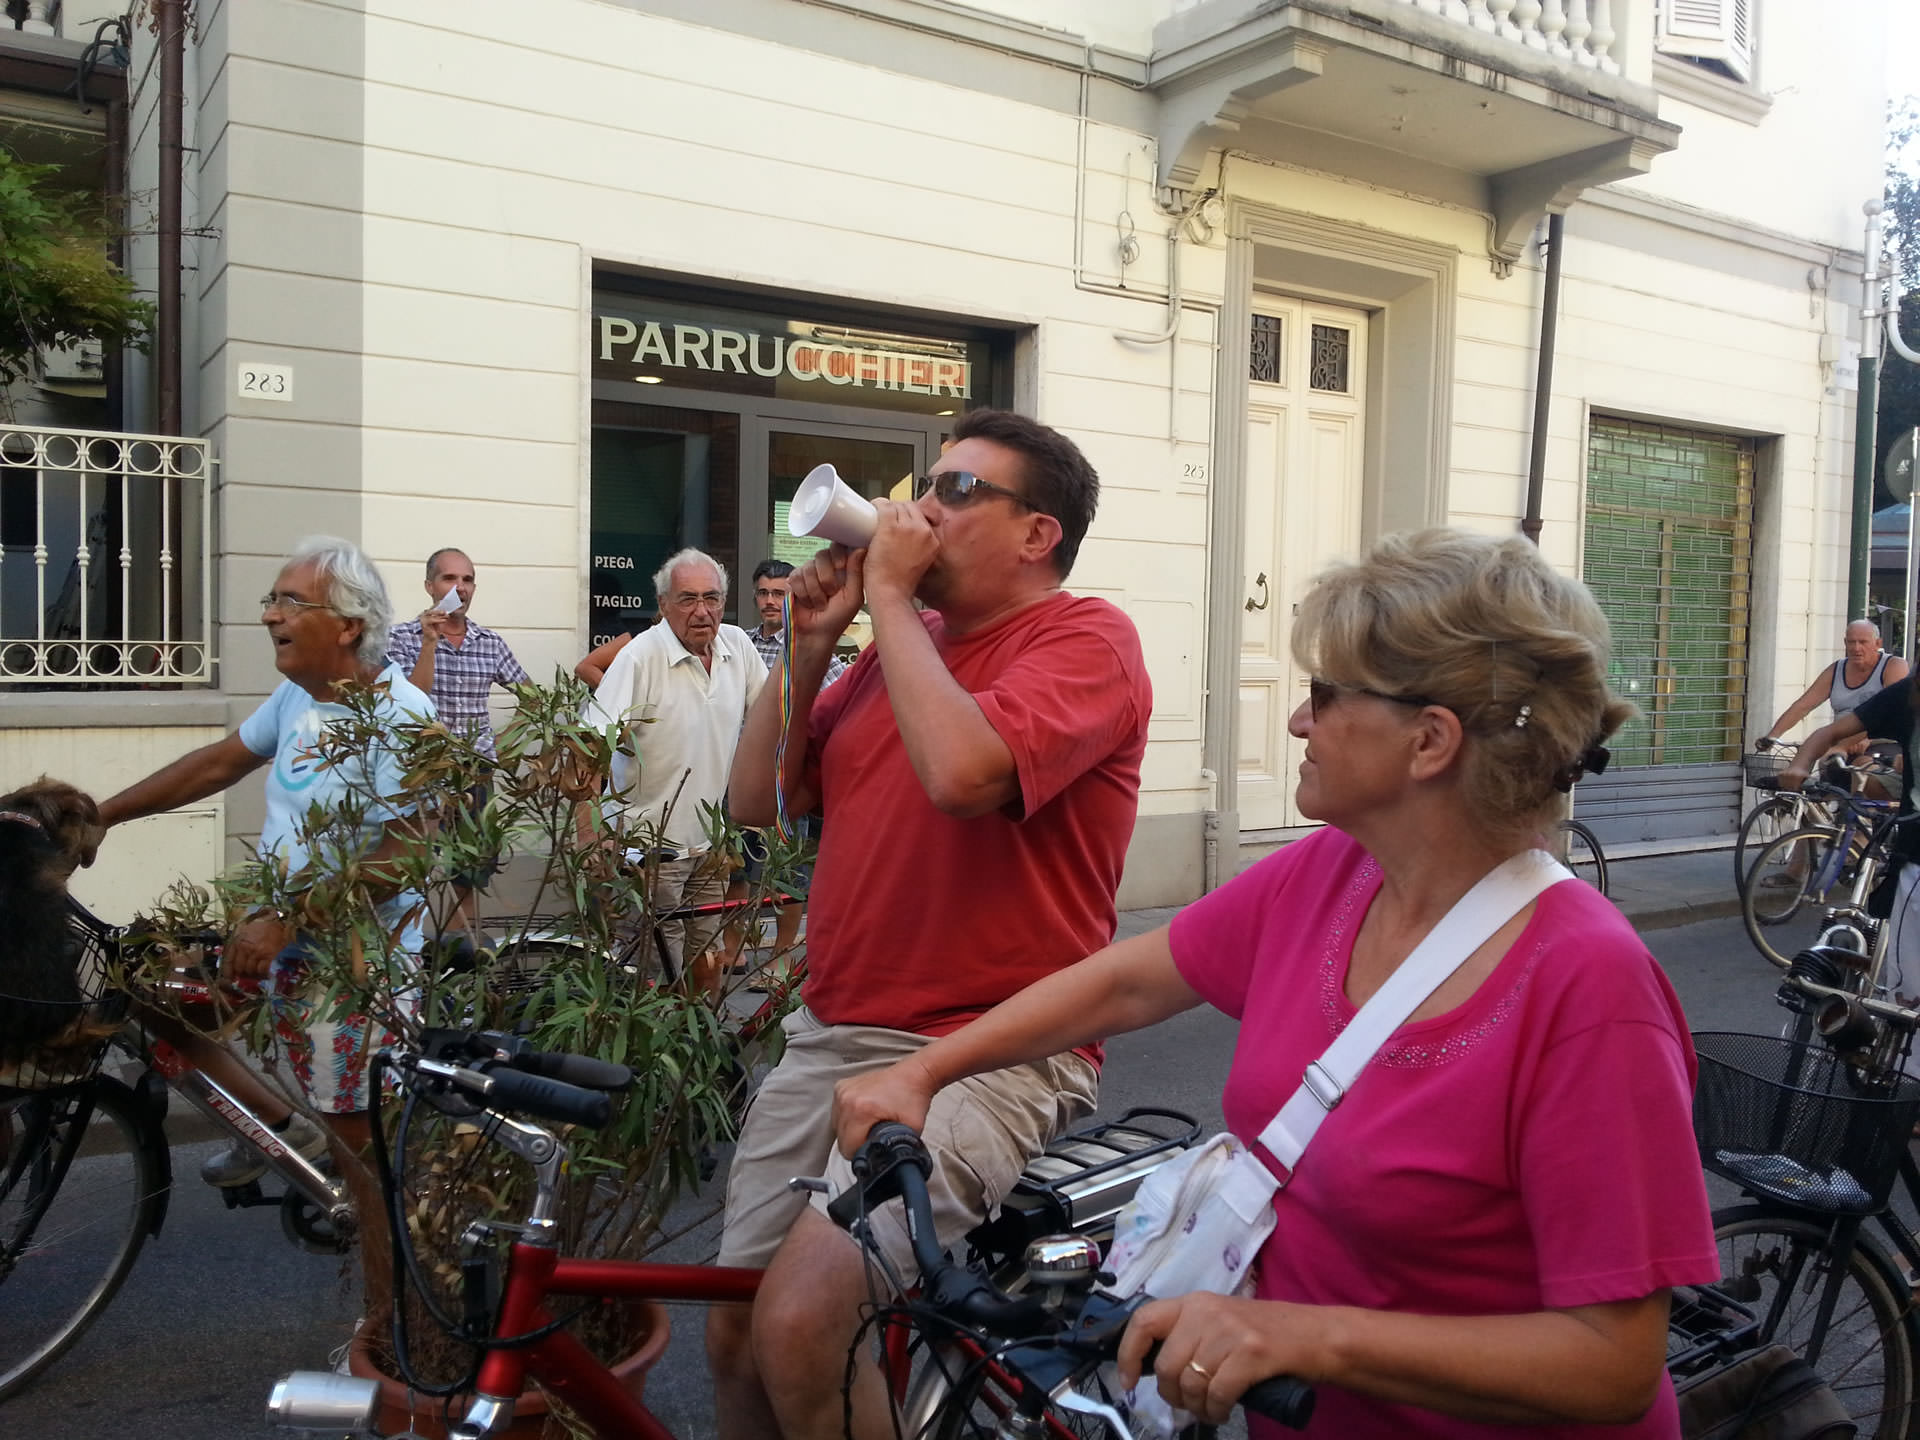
(769,594)
(459,669)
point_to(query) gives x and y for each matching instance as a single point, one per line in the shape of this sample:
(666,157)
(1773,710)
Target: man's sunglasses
(1322,693)
(962,487)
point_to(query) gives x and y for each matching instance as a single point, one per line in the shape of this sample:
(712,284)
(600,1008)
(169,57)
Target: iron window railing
(105,559)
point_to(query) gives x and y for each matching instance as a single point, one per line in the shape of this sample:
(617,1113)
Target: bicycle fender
(149,1102)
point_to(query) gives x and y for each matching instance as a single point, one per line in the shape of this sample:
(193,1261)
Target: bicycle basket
(1793,1122)
(57,1034)
(1764,764)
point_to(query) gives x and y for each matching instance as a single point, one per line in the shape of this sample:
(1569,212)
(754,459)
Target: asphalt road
(220,1304)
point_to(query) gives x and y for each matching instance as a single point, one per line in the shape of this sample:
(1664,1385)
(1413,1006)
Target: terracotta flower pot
(401,1410)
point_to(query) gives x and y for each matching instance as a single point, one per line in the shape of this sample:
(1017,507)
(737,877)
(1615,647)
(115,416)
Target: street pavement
(220,1304)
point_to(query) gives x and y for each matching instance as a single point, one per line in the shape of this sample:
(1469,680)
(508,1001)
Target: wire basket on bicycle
(1797,1123)
(1758,765)
(59,1035)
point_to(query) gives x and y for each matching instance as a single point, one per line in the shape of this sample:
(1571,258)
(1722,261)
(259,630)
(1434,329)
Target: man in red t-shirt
(981,767)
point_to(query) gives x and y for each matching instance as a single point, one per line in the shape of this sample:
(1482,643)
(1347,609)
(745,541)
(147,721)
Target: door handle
(1261,581)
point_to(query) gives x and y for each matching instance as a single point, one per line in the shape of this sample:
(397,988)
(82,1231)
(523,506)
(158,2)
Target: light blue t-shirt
(285,728)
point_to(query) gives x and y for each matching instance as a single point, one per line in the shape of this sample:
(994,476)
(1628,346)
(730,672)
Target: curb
(1670,917)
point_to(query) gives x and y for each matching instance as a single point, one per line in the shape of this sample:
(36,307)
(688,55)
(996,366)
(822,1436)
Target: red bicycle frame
(567,1369)
(561,1364)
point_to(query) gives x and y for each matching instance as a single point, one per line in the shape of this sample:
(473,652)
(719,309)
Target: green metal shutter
(1669,556)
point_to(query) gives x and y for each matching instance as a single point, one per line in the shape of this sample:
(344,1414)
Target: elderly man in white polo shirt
(692,679)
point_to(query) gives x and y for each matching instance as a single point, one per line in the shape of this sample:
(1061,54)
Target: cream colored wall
(1124,25)
(1729,341)
(1809,163)
(419,249)
(408,214)
(139,859)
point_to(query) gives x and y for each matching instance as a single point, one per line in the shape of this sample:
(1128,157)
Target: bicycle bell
(1069,1262)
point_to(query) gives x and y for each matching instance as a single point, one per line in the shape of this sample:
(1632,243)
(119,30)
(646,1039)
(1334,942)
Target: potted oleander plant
(574,969)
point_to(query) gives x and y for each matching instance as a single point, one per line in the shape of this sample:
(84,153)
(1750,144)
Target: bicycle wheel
(1584,856)
(1778,1265)
(1783,906)
(1766,822)
(78,1195)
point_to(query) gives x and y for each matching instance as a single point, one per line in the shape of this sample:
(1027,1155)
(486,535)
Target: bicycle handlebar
(554,1100)
(893,1164)
(501,1072)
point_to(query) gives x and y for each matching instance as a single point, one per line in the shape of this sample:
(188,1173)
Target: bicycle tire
(1584,856)
(1774,1264)
(76,1204)
(1765,823)
(1783,906)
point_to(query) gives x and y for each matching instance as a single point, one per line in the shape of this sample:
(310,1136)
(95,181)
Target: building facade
(568,286)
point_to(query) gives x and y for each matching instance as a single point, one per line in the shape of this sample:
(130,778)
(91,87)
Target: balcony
(105,559)
(1510,106)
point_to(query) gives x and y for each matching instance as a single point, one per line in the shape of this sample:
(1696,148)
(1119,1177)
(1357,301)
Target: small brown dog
(47,831)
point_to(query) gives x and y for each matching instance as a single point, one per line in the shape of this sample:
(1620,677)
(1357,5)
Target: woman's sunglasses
(1322,693)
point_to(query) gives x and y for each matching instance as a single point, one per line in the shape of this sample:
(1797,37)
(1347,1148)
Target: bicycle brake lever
(1073,1400)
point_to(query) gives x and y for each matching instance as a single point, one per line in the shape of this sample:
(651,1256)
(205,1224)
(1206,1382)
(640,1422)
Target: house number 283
(255,381)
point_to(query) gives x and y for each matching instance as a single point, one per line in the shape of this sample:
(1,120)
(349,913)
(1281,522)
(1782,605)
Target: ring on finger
(1199,1369)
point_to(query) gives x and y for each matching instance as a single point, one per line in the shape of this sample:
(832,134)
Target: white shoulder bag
(1197,1222)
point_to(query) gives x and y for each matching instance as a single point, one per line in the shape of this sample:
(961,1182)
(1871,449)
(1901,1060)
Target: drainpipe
(1530,525)
(1866,415)
(1865,421)
(171,15)
(114,358)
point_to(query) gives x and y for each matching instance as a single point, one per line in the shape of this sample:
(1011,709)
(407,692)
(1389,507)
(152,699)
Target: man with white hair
(689,683)
(328,617)
(1856,677)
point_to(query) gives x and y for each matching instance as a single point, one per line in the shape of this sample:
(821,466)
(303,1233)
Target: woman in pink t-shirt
(1485,1230)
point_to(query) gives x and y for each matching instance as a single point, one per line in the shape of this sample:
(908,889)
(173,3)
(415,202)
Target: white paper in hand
(449,602)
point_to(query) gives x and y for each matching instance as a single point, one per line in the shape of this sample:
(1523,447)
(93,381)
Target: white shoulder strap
(1501,894)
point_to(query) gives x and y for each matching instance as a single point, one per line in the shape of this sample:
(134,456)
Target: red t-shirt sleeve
(1066,703)
(1607,1167)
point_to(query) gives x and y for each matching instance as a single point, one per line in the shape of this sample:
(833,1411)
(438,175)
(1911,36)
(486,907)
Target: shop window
(654,490)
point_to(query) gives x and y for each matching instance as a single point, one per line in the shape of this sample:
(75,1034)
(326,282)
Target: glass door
(878,461)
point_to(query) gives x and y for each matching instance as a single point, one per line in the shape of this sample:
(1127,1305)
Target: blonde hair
(1486,628)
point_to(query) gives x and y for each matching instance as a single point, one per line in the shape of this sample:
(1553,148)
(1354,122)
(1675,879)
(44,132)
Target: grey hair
(663,577)
(433,560)
(1868,623)
(354,589)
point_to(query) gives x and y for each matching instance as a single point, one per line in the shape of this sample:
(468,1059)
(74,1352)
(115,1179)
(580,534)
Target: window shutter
(1718,30)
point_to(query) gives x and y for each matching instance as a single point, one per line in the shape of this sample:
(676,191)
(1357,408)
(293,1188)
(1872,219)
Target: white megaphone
(826,507)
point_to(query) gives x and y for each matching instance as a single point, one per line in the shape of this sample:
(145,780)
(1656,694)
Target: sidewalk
(1655,892)
(1658,892)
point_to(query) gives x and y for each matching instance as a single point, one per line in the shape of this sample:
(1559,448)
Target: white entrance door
(1306,385)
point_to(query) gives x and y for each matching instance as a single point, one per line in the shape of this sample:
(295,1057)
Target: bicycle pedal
(247,1196)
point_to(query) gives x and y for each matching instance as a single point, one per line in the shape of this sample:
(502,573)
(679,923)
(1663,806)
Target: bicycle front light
(321,1400)
(1845,1024)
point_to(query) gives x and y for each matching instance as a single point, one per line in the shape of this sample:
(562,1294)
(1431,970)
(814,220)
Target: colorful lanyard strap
(783,822)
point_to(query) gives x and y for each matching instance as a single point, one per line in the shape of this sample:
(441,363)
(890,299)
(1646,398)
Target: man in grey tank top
(1864,672)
